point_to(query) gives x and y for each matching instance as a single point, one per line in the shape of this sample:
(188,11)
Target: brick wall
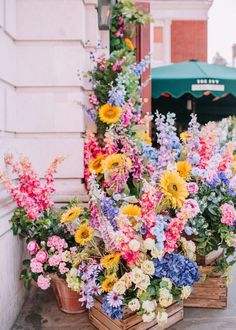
(188,40)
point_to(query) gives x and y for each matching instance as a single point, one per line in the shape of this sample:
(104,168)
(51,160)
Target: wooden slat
(105,320)
(205,303)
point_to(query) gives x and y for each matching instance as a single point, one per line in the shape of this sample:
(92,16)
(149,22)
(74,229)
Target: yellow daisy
(110,260)
(116,161)
(184,168)
(109,114)
(71,214)
(129,44)
(174,188)
(96,164)
(84,234)
(131,210)
(108,283)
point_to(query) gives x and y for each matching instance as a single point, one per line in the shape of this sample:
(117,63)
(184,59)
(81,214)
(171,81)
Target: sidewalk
(40,312)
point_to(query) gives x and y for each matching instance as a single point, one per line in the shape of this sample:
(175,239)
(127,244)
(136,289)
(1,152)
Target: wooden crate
(209,293)
(131,321)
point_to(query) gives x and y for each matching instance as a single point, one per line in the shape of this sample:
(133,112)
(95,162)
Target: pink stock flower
(62,268)
(41,256)
(36,267)
(43,282)
(54,260)
(32,247)
(192,187)
(228,214)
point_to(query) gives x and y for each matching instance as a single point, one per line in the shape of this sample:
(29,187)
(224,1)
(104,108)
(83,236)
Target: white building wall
(43,45)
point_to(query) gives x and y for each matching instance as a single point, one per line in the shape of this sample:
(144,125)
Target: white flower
(162,317)
(167,281)
(134,245)
(186,291)
(166,298)
(157,253)
(134,305)
(148,267)
(149,244)
(119,287)
(143,285)
(137,275)
(73,272)
(148,317)
(149,305)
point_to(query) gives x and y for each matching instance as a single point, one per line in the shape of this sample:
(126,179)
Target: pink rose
(192,187)
(36,267)
(43,282)
(41,256)
(228,214)
(32,247)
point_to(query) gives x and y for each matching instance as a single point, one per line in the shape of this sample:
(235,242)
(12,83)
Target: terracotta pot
(68,300)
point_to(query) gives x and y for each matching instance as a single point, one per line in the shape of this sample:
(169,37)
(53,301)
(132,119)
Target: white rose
(148,267)
(143,285)
(162,318)
(134,305)
(186,291)
(168,282)
(119,287)
(164,293)
(166,300)
(148,317)
(149,244)
(149,305)
(137,275)
(134,245)
(157,253)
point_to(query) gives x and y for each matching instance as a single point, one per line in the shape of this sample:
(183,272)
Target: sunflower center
(175,188)
(85,234)
(70,214)
(110,113)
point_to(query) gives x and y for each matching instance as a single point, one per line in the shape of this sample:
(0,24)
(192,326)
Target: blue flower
(109,210)
(182,271)
(188,230)
(115,313)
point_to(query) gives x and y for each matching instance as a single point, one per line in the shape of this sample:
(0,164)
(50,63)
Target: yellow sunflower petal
(184,168)
(96,164)
(108,283)
(109,114)
(84,234)
(131,210)
(129,44)
(70,215)
(110,260)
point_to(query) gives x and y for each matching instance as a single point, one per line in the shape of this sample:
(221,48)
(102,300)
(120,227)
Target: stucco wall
(43,44)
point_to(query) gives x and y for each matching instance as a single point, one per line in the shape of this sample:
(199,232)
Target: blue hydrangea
(115,313)
(181,271)
(224,178)
(149,152)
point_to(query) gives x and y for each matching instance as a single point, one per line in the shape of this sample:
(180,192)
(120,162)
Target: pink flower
(36,267)
(101,67)
(43,282)
(191,208)
(41,256)
(54,260)
(192,187)
(228,214)
(73,249)
(62,268)
(32,247)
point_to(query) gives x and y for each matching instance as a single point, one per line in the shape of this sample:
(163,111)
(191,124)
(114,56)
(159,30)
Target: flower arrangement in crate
(211,157)
(138,205)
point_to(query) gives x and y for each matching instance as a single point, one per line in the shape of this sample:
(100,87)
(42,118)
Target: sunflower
(110,260)
(116,161)
(108,283)
(84,234)
(129,44)
(109,114)
(174,188)
(184,168)
(144,136)
(71,214)
(131,210)
(96,164)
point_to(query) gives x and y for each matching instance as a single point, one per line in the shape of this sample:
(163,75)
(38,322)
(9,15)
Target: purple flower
(114,300)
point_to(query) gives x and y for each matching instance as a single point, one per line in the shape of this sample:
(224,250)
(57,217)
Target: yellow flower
(108,283)
(174,188)
(71,214)
(144,136)
(109,114)
(184,168)
(96,164)
(110,260)
(116,161)
(185,136)
(84,234)
(129,44)
(131,210)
